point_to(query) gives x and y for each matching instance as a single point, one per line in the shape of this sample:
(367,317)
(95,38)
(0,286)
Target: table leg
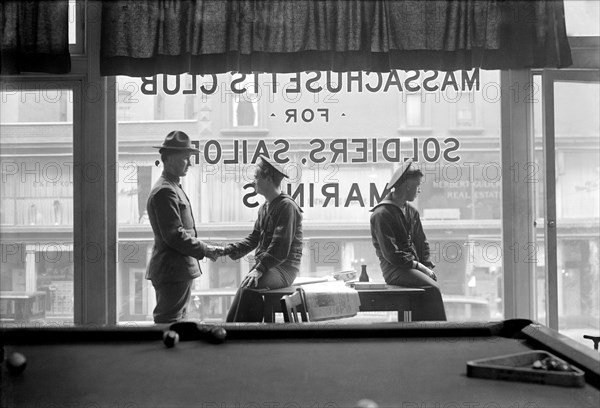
(269,314)
(269,311)
(405,315)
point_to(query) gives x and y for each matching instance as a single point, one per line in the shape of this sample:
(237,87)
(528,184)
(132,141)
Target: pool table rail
(566,348)
(524,330)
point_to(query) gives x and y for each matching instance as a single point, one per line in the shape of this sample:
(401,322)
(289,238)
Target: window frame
(95,140)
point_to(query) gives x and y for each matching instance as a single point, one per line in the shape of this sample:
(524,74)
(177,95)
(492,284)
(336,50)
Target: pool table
(312,365)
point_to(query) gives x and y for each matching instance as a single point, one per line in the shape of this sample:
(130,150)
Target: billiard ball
(217,335)
(552,364)
(16,363)
(170,338)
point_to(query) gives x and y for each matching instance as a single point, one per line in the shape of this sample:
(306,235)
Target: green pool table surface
(320,365)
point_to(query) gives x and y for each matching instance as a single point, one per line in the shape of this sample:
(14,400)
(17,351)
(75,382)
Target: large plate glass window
(568,210)
(36,217)
(340,136)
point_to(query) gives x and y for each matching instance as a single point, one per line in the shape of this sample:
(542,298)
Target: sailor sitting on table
(277,237)
(401,245)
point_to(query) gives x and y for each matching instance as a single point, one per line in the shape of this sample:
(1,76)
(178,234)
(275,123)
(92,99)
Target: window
(246,99)
(244,113)
(415,102)
(465,111)
(568,223)
(244,106)
(337,139)
(414,114)
(467,103)
(124,110)
(36,218)
(581,18)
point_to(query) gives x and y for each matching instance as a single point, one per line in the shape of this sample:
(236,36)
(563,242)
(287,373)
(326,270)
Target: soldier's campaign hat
(397,176)
(272,165)
(177,140)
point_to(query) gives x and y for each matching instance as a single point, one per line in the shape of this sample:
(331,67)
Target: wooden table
(200,300)
(391,299)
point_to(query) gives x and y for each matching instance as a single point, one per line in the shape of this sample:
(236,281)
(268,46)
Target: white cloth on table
(330,300)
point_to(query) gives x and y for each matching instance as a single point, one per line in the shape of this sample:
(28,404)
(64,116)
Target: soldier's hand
(214,252)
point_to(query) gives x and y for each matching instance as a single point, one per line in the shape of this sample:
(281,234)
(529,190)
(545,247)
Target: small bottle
(363,274)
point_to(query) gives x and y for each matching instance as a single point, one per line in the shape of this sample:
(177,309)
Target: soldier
(176,251)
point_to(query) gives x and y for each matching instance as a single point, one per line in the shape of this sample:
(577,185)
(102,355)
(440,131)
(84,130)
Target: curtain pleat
(34,37)
(145,37)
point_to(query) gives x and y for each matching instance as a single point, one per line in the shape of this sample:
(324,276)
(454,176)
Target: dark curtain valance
(34,36)
(141,38)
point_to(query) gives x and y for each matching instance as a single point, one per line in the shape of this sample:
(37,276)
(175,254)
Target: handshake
(214,252)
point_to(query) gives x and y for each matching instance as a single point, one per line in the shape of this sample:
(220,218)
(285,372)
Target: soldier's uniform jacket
(176,249)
